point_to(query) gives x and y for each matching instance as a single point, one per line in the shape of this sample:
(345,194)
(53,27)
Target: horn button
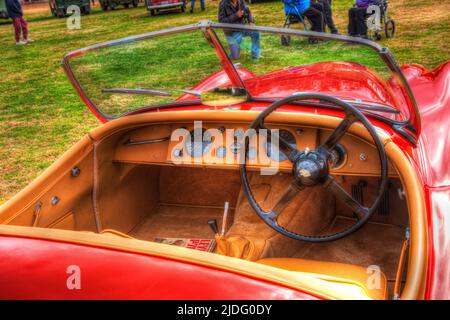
(310,169)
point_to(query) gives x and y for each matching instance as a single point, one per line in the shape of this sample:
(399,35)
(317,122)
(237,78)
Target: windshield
(348,71)
(135,74)
(175,66)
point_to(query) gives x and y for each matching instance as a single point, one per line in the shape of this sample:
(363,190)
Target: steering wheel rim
(316,163)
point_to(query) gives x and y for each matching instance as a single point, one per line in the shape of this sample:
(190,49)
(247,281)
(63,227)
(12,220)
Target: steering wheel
(311,168)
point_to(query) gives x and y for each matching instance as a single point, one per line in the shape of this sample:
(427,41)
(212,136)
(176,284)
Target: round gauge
(177,153)
(199,143)
(236,147)
(273,150)
(338,156)
(252,153)
(221,152)
(239,134)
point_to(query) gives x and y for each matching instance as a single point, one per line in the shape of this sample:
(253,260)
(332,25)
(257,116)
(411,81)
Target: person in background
(327,15)
(202,5)
(309,9)
(15,12)
(357,26)
(235,11)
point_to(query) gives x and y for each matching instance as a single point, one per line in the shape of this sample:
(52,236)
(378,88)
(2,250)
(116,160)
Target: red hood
(341,79)
(345,80)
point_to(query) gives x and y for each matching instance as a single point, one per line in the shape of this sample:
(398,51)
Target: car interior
(121,181)
(344,205)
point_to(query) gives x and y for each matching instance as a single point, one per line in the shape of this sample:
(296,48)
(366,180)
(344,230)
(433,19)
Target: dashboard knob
(177,153)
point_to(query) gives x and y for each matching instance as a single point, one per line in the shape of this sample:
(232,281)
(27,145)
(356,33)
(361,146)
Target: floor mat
(174,221)
(374,244)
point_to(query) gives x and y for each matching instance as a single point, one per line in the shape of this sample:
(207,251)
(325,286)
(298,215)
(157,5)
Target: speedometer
(198,142)
(273,150)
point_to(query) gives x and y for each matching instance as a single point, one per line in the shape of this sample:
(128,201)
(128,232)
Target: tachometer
(199,143)
(273,149)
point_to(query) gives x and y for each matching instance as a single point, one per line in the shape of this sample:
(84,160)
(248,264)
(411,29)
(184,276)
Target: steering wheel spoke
(284,200)
(291,152)
(335,188)
(339,132)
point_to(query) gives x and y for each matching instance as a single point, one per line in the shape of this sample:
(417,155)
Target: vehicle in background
(112,4)
(154,6)
(59,7)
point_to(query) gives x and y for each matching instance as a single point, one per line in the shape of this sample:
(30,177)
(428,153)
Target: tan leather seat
(115,233)
(332,271)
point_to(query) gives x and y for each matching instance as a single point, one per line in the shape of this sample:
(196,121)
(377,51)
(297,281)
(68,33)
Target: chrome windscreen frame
(410,128)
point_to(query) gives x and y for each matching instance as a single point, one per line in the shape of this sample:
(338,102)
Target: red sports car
(318,170)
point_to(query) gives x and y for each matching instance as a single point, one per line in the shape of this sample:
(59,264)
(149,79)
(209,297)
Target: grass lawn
(41,115)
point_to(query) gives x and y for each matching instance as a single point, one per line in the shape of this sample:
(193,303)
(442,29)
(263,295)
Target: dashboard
(221,145)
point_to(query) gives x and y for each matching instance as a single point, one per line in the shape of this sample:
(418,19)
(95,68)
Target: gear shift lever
(213,224)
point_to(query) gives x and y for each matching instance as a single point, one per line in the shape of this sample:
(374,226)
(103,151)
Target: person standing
(328,15)
(202,5)
(15,12)
(236,12)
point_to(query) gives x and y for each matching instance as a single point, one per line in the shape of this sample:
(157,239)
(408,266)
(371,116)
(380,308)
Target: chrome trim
(130,142)
(142,36)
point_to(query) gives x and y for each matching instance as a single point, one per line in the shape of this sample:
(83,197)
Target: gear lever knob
(213,224)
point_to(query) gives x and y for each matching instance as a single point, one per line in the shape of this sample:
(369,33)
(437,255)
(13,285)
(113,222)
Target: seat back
(339,273)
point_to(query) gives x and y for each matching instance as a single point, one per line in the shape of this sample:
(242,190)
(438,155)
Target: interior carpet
(374,244)
(176,221)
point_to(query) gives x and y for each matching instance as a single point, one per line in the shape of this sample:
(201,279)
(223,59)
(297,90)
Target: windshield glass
(285,64)
(135,74)
(176,66)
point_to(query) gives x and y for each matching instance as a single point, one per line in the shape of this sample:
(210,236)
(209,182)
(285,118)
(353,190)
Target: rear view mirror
(224,96)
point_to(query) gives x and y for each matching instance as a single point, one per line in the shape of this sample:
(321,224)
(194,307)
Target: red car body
(34,268)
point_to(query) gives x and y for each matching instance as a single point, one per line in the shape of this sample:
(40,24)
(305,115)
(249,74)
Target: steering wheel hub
(309,170)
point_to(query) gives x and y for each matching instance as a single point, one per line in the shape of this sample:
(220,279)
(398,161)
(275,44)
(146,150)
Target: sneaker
(29,41)
(20,43)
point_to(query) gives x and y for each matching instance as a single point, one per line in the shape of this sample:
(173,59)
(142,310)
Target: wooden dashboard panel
(362,157)
(148,152)
(160,144)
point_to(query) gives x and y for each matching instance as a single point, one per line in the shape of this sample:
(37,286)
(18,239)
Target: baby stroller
(292,16)
(375,27)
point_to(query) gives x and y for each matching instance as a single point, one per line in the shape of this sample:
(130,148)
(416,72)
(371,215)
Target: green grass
(178,63)
(182,60)
(41,115)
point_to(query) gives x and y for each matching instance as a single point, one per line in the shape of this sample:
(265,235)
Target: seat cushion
(375,287)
